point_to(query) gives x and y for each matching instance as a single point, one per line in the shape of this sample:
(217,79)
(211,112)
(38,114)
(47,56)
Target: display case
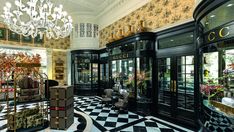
(85,71)
(216,73)
(130,61)
(175,67)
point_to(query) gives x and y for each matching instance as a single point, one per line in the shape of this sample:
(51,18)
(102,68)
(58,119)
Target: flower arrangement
(212,90)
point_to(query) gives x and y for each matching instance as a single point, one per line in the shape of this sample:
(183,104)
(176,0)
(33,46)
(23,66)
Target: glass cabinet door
(185,81)
(164,84)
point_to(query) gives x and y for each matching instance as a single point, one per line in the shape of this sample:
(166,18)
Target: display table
(214,119)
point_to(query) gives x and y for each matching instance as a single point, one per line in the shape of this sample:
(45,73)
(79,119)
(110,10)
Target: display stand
(32,118)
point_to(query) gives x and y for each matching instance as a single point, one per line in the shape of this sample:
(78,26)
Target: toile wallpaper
(155,14)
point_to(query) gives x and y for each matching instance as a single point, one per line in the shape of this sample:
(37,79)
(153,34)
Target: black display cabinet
(131,63)
(175,68)
(85,71)
(215,40)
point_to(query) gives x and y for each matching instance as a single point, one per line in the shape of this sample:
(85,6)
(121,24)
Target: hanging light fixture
(37,17)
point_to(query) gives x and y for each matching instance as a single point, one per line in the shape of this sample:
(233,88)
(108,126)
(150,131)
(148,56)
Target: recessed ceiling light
(172,40)
(212,16)
(191,36)
(229,5)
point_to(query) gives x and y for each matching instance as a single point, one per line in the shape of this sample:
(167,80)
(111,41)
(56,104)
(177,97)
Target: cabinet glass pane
(144,79)
(83,73)
(145,45)
(185,79)
(95,73)
(123,75)
(164,81)
(210,66)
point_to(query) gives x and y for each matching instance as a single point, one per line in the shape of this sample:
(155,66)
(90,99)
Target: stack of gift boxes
(61,107)
(29,90)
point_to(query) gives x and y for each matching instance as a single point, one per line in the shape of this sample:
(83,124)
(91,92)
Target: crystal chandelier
(37,17)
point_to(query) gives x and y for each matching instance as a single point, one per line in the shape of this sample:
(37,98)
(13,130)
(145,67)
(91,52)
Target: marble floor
(104,118)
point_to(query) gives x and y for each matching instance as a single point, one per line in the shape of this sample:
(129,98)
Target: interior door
(176,86)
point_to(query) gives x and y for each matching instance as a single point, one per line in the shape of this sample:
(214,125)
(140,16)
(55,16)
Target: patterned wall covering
(154,14)
(60,70)
(52,43)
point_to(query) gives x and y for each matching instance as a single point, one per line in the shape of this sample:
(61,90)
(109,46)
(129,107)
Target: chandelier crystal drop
(37,17)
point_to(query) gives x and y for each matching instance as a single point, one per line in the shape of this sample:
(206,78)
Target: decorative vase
(140,28)
(119,34)
(111,39)
(129,31)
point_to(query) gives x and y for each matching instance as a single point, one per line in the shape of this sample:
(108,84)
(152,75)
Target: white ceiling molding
(118,10)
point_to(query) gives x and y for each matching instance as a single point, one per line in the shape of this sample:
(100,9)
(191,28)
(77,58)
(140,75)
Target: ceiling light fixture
(37,17)
(212,16)
(229,5)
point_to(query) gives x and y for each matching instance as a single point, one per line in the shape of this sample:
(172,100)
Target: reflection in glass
(82,70)
(123,75)
(185,81)
(164,67)
(95,73)
(144,79)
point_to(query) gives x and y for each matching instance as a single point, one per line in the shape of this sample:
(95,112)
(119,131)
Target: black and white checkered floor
(105,118)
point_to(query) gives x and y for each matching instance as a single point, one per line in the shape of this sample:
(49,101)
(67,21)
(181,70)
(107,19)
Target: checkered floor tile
(105,118)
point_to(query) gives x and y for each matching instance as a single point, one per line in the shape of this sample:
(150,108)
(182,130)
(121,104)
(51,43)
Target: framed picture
(59,69)
(38,40)
(27,39)
(12,36)
(2,34)
(59,76)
